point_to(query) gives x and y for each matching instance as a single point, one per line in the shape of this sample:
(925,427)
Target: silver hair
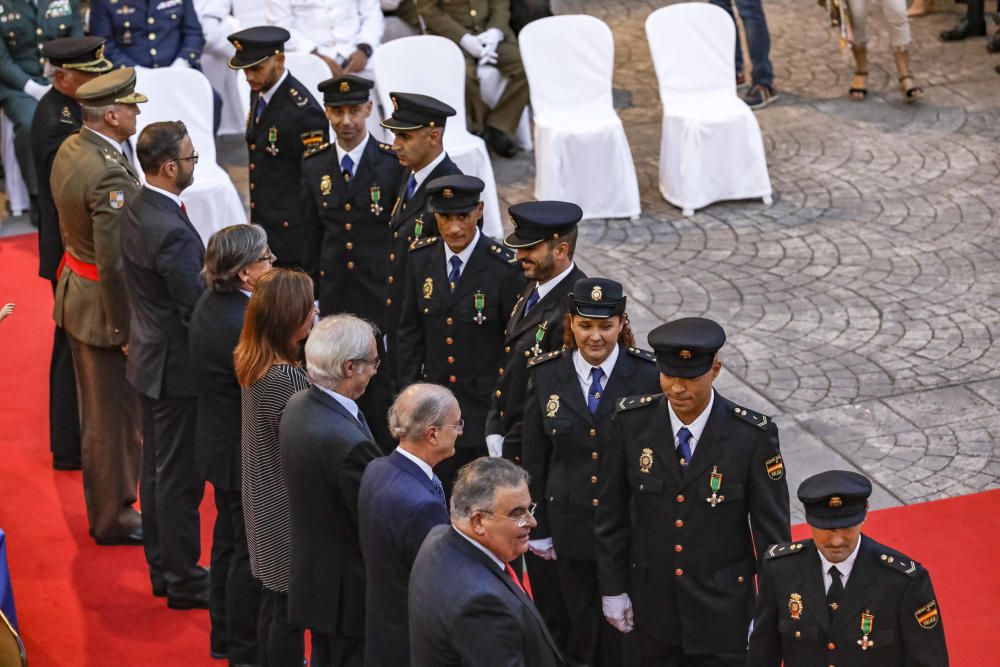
(229,251)
(477,483)
(428,409)
(335,340)
(96,114)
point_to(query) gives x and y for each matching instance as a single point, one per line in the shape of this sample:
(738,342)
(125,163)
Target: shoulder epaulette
(423,242)
(786,549)
(641,353)
(758,420)
(502,253)
(315,149)
(542,358)
(900,563)
(631,402)
(386,148)
(299,99)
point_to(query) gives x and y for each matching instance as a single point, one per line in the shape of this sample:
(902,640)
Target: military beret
(454,194)
(346,89)
(599,298)
(835,499)
(257,44)
(115,87)
(85,54)
(411,111)
(537,221)
(686,348)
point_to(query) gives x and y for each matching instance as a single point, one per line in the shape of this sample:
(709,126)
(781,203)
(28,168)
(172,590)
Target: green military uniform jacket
(91,182)
(25,27)
(454,18)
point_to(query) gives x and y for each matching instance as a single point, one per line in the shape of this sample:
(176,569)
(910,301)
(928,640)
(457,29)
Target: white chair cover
(250,13)
(581,151)
(435,66)
(711,149)
(17,189)
(491,87)
(217,22)
(212,201)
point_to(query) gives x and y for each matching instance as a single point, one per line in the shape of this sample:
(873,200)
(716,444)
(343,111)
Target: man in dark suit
(285,121)
(682,521)
(841,597)
(346,188)
(467,606)
(401,500)
(162,255)
(460,288)
(73,61)
(417,121)
(325,446)
(237,256)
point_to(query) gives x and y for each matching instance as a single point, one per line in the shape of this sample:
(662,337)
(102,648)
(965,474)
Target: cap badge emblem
(237,43)
(395,103)
(684,354)
(835,502)
(646,460)
(595,293)
(99,55)
(447,193)
(345,87)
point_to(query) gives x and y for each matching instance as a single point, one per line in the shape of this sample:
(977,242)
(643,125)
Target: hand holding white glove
(494,444)
(490,38)
(35,89)
(618,610)
(471,45)
(488,59)
(180,63)
(543,548)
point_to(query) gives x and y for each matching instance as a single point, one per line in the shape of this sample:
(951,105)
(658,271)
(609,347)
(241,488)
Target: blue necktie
(347,167)
(456,271)
(438,486)
(260,109)
(411,186)
(532,300)
(594,395)
(684,446)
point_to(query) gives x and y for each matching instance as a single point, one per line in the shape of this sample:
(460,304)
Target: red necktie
(526,587)
(184,208)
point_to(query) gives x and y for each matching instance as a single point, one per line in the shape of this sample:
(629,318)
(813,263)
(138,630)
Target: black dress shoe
(132,539)
(160,588)
(188,601)
(217,655)
(962,30)
(500,142)
(66,465)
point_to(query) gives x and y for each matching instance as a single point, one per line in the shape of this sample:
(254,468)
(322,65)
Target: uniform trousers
(111,439)
(592,640)
(171,491)
(506,115)
(547,594)
(19,107)
(333,651)
(281,644)
(234,600)
(64,413)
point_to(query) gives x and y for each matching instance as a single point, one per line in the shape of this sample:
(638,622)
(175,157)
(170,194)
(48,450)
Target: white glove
(35,89)
(488,59)
(543,548)
(180,63)
(618,610)
(490,38)
(494,443)
(471,46)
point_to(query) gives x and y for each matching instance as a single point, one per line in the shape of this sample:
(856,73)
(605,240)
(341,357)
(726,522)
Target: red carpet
(79,604)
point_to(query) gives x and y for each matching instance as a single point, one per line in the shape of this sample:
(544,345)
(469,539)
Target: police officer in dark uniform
(459,288)
(841,598)
(346,186)
(417,121)
(74,61)
(26,26)
(571,399)
(691,482)
(149,33)
(285,121)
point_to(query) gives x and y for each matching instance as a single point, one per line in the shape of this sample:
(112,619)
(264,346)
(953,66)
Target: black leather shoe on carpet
(132,539)
(962,30)
(500,143)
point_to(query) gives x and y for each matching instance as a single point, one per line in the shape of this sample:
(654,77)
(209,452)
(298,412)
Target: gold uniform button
(253,205)
(739,580)
(831,646)
(152,52)
(349,245)
(679,572)
(593,432)
(449,340)
(388,302)
(679,523)
(253,147)
(593,479)
(395,235)
(593,455)
(472,12)
(506,348)
(452,379)
(391,279)
(252,166)
(322,274)
(152,36)
(679,498)
(347,227)
(678,548)
(499,393)
(392,257)
(500,371)
(797,634)
(451,360)
(595,502)
(38,31)
(449,321)
(347,206)
(284,223)
(252,187)
(150,20)
(325,204)
(350,265)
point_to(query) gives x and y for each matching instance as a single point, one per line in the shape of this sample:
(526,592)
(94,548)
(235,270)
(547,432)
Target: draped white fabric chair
(212,201)
(250,13)
(711,149)
(581,151)
(435,66)
(16,188)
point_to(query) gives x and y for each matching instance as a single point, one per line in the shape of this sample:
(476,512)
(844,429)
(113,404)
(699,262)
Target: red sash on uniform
(80,267)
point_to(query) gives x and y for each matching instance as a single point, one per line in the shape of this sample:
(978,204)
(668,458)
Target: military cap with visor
(85,54)
(257,44)
(599,298)
(115,87)
(686,348)
(411,111)
(453,194)
(345,90)
(835,499)
(537,221)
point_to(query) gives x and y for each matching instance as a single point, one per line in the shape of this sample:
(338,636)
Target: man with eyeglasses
(467,605)
(401,500)
(325,445)
(163,255)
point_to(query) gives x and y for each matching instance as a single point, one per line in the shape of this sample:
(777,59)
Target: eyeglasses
(374,362)
(520,517)
(193,156)
(458,426)
(267,257)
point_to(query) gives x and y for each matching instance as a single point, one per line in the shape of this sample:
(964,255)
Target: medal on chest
(272,140)
(795,606)
(646,460)
(325,185)
(479,301)
(715,483)
(867,622)
(418,227)
(536,349)
(376,196)
(552,406)
(428,288)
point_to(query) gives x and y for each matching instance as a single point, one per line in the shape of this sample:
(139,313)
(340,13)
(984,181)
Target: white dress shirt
(355,153)
(479,546)
(583,370)
(118,146)
(845,567)
(464,255)
(351,406)
(418,461)
(421,176)
(696,427)
(549,285)
(269,93)
(174,198)
(333,27)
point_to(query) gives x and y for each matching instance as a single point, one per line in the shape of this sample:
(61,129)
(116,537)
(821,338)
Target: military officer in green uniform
(841,598)
(91,182)
(692,492)
(285,121)
(459,289)
(25,26)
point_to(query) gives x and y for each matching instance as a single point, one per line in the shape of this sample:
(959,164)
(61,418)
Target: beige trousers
(895,16)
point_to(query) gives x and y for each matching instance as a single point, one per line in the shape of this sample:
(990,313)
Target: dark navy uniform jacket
(148,33)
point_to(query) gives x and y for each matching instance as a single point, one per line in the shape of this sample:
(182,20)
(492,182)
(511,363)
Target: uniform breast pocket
(796,631)
(430,307)
(645,483)
(556,427)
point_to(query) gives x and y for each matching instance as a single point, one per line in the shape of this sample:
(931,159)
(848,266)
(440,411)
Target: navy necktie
(594,395)
(411,187)
(532,300)
(684,446)
(456,271)
(438,486)
(347,167)
(260,109)
(836,590)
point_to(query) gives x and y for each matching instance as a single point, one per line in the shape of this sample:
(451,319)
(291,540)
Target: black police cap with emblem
(411,111)
(537,221)
(599,298)
(345,90)
(454,194)
(257,44)
(85,54)
(686,348)
(835,499)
